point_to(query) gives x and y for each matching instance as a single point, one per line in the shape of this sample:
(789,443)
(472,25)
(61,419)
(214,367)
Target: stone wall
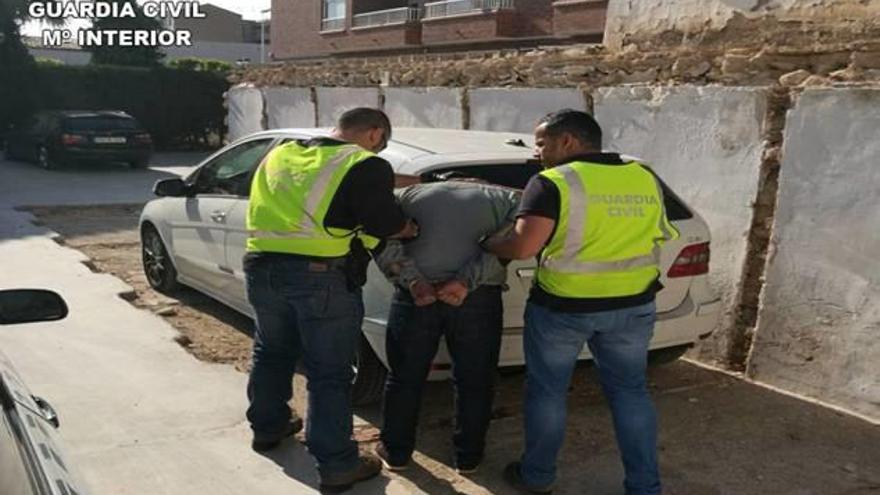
(721,21)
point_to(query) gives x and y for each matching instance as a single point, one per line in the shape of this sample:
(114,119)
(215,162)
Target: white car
(32,458)
(194,234)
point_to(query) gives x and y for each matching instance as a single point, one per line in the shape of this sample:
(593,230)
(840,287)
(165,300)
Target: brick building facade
(305,29)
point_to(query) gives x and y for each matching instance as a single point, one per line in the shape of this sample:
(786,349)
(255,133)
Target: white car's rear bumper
(686,324)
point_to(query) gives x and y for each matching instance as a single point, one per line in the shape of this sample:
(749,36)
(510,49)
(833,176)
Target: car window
(515,175)
(41,123)
(518,175)
(101,123)
(230,173)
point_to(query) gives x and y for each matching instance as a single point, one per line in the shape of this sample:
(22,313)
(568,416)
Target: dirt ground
(108,236)
(719,435)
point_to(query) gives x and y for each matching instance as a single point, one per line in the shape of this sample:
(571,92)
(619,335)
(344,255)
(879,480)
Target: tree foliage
(138,56)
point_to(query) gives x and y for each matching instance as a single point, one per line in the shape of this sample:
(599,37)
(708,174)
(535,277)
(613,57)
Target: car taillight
(72,139)
(143,138)
(692,260)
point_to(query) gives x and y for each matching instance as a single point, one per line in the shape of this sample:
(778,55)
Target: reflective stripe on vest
(291,195)
(571,265)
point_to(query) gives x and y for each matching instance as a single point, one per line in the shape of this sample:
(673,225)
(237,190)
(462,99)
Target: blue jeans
(619,341)
(304,311)
(473,337)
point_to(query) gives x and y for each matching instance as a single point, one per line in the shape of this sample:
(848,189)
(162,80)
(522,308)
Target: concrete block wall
(819,323)
(706,143)
(245,111)
(333,102)
(517,110)
(425,107)
(289,107)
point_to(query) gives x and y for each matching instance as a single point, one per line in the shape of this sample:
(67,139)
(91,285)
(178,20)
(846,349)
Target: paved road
(26,184)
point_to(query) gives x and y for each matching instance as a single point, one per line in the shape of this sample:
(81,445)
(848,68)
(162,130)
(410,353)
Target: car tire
(44,159)
(369,381)
(659,357)
(157,264)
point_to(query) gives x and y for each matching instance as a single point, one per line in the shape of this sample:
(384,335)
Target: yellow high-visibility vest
(290,196)
(611,225)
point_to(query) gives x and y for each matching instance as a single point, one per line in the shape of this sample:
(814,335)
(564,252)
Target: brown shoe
(368,467)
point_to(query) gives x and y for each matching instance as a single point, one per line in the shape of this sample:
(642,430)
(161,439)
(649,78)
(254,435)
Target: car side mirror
(173,188)
(30,305)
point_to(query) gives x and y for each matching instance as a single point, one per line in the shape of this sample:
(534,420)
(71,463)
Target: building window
(333,15)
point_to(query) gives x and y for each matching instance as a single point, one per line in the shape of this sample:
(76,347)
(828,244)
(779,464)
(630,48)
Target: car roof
(416,150)
(91,113)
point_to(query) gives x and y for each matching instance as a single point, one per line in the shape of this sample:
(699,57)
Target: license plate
(109,140)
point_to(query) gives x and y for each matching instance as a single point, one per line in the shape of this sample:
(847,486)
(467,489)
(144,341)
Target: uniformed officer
(596,222)
(314,206)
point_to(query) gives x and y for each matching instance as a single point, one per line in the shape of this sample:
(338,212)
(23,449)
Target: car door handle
(47,411)
(218,216)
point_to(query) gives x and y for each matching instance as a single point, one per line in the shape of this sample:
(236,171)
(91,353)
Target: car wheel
(158,267)
(369,376)
(668,355)
(44,160)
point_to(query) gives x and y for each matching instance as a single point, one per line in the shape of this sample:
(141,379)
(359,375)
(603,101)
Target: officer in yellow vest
(314,206)
(596,222)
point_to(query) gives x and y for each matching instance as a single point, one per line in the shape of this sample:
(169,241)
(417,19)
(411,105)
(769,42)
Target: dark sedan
(55,139)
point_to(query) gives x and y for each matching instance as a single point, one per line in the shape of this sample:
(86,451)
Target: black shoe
(368,467)
(265,444)
(467,467)
(513,478)
(387,462)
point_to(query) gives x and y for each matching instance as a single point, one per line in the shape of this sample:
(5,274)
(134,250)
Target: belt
(315,262)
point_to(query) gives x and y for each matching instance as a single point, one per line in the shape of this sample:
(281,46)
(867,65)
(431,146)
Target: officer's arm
(529,236)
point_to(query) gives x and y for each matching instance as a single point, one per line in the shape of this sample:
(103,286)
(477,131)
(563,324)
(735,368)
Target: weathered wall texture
(245,111)
(518,110)
(706,143)
(424,107)
(289,107)
(629,20)
(332,102)
(819,324)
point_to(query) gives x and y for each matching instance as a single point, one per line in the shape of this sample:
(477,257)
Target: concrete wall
(819,325)
(218,24)
(518,110)
(69,57)
(424,107)
(706,144)
(230,52)
(245,105)
(642,18)
(289,107)
(332,102)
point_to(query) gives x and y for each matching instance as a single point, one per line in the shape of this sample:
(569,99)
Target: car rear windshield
(517,175)
(100,124)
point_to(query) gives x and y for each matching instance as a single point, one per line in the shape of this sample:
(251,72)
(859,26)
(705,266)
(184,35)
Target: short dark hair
(364,119)
(581,125)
